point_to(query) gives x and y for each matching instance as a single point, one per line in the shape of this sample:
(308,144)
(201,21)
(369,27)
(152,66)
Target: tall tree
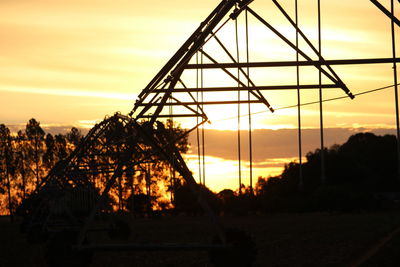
(21,163)
(6,167)
(35,135)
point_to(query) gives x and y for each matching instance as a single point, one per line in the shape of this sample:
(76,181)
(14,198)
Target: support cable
(395,90)
(238,111)
(301,183)
(321,117)
(249,106)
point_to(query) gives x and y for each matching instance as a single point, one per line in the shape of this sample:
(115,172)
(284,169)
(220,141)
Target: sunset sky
(70,63)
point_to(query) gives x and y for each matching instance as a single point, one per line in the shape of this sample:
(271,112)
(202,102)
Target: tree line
(359,173)
(26,157)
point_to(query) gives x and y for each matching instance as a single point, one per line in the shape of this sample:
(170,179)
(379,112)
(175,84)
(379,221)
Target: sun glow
(74,62)
(223,174)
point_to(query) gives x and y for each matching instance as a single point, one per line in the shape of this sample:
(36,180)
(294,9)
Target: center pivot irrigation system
(71,201)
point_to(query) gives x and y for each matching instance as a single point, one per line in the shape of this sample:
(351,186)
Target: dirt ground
(321,239)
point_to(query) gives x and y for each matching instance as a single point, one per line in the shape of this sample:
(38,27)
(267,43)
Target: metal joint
(235,13)
(168,79)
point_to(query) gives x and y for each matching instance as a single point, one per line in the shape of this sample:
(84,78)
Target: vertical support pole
(395,90)
(119,187)
(173,185)
(170,126)
(148,185)
(37,161)
(198,152)
(249,106)
(321,118)
(197,120)
(238,111)
(132,177)
(301,182)
(202,127)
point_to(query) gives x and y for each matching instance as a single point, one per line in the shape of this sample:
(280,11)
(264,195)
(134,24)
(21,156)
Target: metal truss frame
(136,143)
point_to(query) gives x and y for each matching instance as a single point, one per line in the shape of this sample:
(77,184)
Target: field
(321,239)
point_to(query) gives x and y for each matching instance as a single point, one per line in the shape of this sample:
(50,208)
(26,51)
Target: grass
(321,239)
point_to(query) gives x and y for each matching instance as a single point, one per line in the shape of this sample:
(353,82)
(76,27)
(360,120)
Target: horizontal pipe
(293,63)
(173,116)
(245,88)
(205,103)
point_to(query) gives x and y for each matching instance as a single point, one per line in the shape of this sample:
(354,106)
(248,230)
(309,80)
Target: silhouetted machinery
(70,204)
(79,195)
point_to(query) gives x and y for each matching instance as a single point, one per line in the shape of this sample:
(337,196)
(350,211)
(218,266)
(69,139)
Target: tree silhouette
(49,154)
(35,135)
(60,147)
(7,168)
(185,200)
(74,136)
(355,171)
(22,163)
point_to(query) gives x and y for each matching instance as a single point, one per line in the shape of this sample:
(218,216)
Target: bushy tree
(186,201)
(74,136)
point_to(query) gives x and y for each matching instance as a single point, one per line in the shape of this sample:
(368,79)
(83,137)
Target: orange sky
(73,62)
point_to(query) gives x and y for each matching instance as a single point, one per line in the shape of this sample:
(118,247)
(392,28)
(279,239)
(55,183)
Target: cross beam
(203,103)
(293,63)
(246,88)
